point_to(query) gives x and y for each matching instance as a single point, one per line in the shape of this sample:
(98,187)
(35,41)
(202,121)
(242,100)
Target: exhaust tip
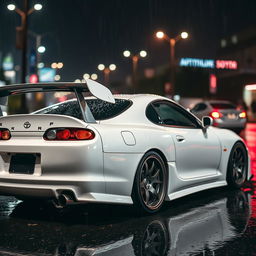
(63,200)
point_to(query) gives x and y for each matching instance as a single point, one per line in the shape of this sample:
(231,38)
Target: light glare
(11,7)
(143,54)
(40,65)
(184,35)
(54,65)
(38,7)
(160,34)
(112,67)
(60,65)
(101,67)
(57,78)
(126,53)
(41,49)
(94,76)
(86,76)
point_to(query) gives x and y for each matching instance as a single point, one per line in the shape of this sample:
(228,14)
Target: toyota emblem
(27,125)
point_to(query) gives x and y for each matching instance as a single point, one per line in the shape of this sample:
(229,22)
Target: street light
(101,67)
(23,29)
(135,59)
(112,67)
(38,7)
(86,76)
(106,71)
(41,49)
(21,43)
(11,7)
(94,76)
(172,42)
(57,77)
(184,35)
(57,65)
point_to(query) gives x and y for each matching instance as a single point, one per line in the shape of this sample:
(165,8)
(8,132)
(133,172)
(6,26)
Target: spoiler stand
(86,112)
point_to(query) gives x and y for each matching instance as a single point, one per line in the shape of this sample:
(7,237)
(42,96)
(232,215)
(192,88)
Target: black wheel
(153,242)
(237,166)
(150,184)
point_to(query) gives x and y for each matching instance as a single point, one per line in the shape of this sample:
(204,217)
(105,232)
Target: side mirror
(207,121)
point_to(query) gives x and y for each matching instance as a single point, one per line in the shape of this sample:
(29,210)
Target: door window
(199,107)
(168,113)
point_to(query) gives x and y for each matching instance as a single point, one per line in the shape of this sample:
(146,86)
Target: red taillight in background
(69,134)
(5,134)
(242,114)
(215,114)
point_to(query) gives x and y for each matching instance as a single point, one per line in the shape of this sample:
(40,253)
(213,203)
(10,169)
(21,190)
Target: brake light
(242,114)
(69,134)
(5,134)
(215,114)
(63,134)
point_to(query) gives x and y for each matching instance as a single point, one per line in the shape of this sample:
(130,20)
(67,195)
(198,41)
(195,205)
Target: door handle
(180,138)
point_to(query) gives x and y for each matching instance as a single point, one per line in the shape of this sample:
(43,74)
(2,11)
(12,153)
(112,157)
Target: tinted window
(170,114)
(100,109)
(199,107)
(223,105)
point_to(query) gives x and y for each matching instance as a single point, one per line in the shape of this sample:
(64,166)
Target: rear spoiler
(96,89)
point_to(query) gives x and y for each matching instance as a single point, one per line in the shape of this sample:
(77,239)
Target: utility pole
(24,26)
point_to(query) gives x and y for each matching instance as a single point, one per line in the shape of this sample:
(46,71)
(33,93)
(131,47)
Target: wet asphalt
(214,222)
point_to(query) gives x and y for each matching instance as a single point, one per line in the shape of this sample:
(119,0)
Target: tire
(237,166)
(150,184)
(154,239)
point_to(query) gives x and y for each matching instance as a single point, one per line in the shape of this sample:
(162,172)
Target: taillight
(242,114)
(5,134)
(215,114)
(69,134)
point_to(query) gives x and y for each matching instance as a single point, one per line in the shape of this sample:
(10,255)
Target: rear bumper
(239,124)
(83,191)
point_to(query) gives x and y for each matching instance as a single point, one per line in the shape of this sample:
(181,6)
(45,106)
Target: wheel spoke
(152,167)
(146,168)
(147,196)
(151,182)
(154,193)
(156,173)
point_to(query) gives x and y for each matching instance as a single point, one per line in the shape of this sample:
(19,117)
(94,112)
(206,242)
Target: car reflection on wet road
(214,222)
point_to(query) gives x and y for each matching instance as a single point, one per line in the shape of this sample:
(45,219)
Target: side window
(199,107)
(171,114)
(152,115)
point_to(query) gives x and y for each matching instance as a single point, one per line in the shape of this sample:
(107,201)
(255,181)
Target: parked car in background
(224,114)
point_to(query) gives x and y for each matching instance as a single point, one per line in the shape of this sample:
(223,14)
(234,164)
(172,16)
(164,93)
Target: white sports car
(124,149)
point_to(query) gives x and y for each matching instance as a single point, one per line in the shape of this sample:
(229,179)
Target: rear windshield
(223,105)
(101,110)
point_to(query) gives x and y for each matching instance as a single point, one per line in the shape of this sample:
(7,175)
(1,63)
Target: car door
(197,151)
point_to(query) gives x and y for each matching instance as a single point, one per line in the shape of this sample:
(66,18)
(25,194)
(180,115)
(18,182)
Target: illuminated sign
(213,83)
(208,63)
(226,64)
(33,79)
(197,63)
(47,74)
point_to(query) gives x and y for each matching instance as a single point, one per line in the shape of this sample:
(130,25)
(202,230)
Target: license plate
(232,116)
(22,163)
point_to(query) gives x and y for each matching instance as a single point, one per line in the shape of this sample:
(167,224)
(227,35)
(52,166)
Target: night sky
(84,33)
